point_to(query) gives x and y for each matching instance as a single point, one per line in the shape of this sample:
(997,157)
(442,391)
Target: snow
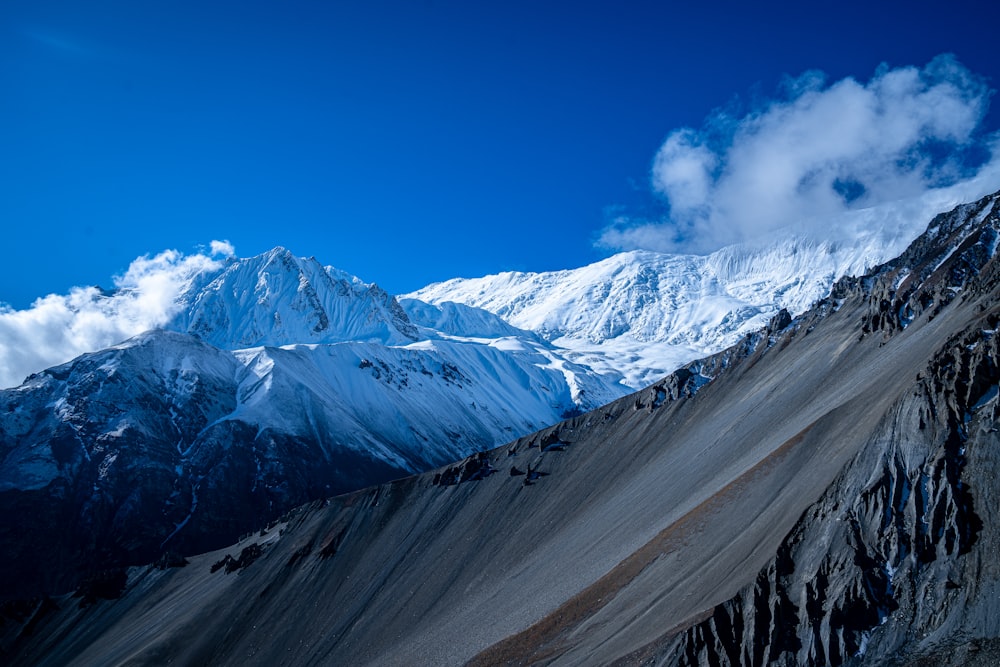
(863,645)
(639,315)
(400,403)
(180,526)
(279,299)
(988,395)
(109,460)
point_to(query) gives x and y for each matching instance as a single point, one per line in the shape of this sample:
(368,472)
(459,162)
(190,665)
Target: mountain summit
(279,299)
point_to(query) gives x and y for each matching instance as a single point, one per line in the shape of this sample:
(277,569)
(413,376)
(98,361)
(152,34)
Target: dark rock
(170,559)
(102,585)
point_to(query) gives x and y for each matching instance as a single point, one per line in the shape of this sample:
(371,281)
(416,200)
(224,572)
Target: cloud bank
(816,154)
(58,328)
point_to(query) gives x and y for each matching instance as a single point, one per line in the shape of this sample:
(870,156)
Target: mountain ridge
(641,314)
(278,299)
(664,528)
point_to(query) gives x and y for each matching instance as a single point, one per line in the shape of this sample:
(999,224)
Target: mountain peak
(276,298)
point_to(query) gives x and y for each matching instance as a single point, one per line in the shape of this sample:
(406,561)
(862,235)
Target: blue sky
(404,142)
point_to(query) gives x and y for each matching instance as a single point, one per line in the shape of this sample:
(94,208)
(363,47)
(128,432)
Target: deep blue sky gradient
(404,142)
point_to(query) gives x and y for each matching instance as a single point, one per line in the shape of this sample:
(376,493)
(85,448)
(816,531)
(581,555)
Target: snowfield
(639,315)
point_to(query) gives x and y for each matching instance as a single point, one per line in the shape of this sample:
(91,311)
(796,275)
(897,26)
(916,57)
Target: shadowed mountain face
(822,493)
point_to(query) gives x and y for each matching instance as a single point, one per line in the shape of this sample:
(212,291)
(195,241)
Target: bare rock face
(889,564)
(890,561)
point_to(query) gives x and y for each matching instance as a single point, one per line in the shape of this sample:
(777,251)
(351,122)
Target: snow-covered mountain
(276,380)
(279,299)
(326,315)
(639,315)
(279,381)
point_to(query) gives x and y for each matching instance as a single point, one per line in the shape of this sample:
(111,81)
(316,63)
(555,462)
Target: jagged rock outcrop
(941,263)
(888,565)
(889,562)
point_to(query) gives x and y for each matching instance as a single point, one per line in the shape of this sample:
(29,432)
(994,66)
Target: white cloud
(224,248)
(813,156)
(683,171)
(57,328)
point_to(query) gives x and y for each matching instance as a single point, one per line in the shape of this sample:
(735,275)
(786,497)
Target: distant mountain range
(823,492)
(639,315)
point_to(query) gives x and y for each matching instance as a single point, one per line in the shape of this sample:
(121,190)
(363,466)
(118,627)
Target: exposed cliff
(896,562)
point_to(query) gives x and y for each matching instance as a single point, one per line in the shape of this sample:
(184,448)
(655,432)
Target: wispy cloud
(57,328)
(814,154)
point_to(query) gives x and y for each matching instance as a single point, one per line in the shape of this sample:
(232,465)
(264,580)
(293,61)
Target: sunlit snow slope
(639,315)
(279,299)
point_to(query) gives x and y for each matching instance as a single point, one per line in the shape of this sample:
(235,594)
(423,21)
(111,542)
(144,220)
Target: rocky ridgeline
(941,264)
(889,564)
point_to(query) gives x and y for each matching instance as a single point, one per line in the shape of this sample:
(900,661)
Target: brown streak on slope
(543,641)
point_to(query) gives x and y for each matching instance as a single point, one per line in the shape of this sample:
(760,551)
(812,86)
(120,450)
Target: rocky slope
(821,493)
(893,562)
